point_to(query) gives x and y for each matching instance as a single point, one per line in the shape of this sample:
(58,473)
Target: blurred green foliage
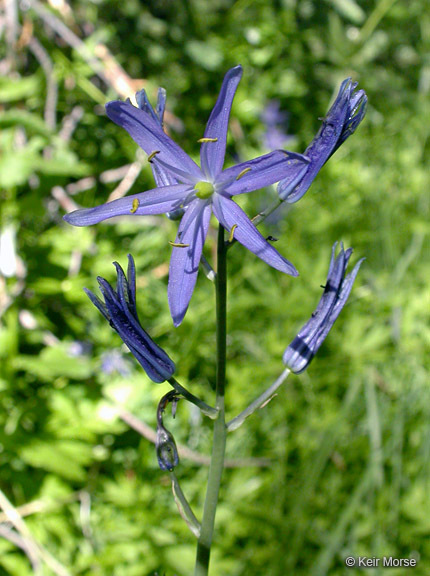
(349,440)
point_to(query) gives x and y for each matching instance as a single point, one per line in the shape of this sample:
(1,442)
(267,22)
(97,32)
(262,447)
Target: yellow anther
(244,171)
(203,140)
(233,228)
(153,155)
(178,244)
(135,206)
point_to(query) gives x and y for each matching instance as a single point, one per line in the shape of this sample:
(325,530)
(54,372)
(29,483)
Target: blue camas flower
(182,184)
(119,309)
(336,291)
(340,122)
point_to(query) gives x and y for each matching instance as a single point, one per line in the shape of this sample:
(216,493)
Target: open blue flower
(341,121)
(119,309)
(336,292)
(182,184)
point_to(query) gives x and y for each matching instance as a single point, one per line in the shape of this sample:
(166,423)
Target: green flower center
(204,190)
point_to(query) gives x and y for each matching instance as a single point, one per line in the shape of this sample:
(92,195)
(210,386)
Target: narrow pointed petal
(122,287)
(230,214)
(263,171)
(212,153)
(162,177)
(161,104)
(101,306)
(131,280)
(149,135)
(156,201)
(358,108)
(144,104)
(184,263)
(346,289)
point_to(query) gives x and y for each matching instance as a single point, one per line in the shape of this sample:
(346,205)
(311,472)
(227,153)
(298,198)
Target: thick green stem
(220,431)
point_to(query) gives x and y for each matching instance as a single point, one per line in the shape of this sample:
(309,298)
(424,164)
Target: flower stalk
(204,408)
(220,431)
(259,402)
(184,507)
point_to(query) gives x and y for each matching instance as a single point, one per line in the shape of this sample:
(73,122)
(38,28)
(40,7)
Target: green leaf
(53,363)
(66,458)
(25,119)
(204,54)
(12,89)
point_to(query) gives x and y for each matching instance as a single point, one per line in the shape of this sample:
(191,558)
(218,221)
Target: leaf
(53,363)
(66,458)
(16,167)
(12,89)
(349,9)
(27,120)
(204,54)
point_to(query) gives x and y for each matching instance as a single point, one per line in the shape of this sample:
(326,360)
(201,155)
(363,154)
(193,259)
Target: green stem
(259,402)
(205,408)
(220,431)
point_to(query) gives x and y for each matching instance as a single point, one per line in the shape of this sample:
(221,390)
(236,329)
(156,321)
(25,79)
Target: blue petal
(161,176)
(265,170)
(356,112)
(145,105)
(101,306)
(149,135)
(161,105)
(345,290)
(305,345)
(156,201)
(212,153)
(122,288)
(131,282)
(322,145)
(229,214)
(184,263)
(152,358)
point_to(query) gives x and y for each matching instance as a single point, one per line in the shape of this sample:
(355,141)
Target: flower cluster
(185,190)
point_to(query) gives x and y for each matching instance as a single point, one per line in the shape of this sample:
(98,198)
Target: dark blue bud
(119,309)
(305,345)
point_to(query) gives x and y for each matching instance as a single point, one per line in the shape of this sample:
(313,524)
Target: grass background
(349,440)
